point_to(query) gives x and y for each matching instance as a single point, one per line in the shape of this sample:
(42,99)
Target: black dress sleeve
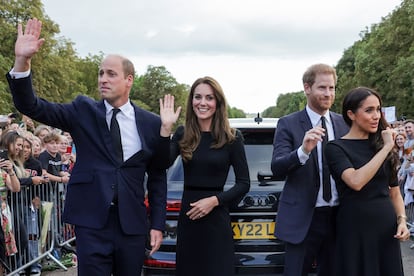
(338,159)
(241,171)
(174,144)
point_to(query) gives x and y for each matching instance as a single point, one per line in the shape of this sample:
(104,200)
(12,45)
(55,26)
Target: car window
(258,159)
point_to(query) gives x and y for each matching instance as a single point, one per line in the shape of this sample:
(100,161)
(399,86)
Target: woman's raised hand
(168,115)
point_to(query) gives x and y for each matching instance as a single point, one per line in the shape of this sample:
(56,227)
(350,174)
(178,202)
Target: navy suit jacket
(298,199)
(96,173)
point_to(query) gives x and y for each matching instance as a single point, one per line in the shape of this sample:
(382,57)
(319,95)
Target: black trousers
(102,252)
(318,247)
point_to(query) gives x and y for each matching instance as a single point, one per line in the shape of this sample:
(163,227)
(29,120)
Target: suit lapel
(337,125)
(306,124)
(141,125)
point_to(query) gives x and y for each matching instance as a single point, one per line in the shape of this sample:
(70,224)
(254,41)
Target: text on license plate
(253,230)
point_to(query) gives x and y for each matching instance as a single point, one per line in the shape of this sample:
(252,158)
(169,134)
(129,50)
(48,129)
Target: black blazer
(96,173)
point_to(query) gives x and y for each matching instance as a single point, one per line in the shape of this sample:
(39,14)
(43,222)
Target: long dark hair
(352,101)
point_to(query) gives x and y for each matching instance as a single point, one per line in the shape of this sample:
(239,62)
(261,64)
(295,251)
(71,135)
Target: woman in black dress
(208,147)
(371,217)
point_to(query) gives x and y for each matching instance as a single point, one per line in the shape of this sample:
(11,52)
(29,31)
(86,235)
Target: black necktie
(116,136)
(326,179)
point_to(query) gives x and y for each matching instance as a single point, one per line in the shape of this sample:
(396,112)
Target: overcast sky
(256,49)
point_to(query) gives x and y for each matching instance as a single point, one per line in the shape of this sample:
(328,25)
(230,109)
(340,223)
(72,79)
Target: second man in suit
(306,214)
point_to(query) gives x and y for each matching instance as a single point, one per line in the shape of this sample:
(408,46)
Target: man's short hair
(310,74)
(52,136)
(409,121)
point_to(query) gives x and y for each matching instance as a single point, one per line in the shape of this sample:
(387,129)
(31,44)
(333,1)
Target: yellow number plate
(253,230)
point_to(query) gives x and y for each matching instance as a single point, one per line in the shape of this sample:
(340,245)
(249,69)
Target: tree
(382,59)
(57,70)
(154,84)
(235,112)
(290,103)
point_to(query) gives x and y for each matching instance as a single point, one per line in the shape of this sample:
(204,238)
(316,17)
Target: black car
(257,251)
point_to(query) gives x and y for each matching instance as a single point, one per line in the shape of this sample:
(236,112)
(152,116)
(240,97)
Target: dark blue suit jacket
(299,194)
(96,173)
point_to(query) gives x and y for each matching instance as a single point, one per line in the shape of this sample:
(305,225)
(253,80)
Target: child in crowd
(51,160)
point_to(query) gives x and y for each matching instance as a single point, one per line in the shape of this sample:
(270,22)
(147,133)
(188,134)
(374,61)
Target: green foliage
(286,103)
(382,60)
(154,84)
(269,112)
(233,112)
(57,70)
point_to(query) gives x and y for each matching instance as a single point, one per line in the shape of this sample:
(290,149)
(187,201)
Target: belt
(32,237)
(197,188)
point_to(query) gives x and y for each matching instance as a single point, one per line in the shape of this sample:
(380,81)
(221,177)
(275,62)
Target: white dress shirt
(130,139)
(315,119)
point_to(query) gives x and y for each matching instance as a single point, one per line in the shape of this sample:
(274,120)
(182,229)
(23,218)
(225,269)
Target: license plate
(253,230)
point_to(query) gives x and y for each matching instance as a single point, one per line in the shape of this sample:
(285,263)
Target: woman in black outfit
(371,217)
(208,147)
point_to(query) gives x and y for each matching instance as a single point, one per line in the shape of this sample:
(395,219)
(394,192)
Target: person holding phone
(65,150)
(9,179)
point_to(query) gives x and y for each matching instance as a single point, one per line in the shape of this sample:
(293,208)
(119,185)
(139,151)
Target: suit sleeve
(285,158)
(157,197)
(25,100)
(157,183)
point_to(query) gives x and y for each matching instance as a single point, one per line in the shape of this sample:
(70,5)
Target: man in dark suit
(105,194)
(306,218)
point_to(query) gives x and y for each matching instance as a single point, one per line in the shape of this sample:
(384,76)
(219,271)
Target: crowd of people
(348,176)
(29,156)
(404,144)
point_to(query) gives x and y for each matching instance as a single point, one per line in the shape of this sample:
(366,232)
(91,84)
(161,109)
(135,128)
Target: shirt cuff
(303,157)
(19,75)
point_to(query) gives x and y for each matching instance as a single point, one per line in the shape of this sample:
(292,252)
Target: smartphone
(4,154)
(69,149)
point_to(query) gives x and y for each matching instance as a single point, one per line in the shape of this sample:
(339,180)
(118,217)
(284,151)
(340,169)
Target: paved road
(408,258)
(407,253)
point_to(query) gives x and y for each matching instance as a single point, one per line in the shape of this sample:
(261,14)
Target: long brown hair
(8,140)
(220,127)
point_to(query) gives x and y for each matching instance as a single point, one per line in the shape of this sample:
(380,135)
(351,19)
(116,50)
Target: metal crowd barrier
(409,210)
(33,216)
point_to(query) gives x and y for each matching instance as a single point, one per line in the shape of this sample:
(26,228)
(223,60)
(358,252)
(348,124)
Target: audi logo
(260,200)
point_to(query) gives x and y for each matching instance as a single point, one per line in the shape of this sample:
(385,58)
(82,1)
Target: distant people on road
(371,218)
(307,206)
(208,147)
